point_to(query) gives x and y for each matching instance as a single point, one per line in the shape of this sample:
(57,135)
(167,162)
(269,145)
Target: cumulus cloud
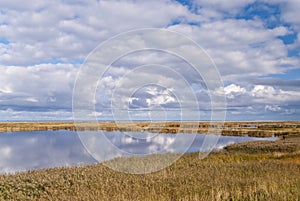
(42,45)
(232,90)
(68,31)
(270,94)
(273,108)
(257,52)
(39,88)
(261,101)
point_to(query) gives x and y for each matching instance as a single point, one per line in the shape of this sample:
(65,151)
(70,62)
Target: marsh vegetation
(253,129)
(244,171)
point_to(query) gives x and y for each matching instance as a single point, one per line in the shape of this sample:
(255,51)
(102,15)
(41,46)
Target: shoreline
(238,128)
(244,171)
(257,170)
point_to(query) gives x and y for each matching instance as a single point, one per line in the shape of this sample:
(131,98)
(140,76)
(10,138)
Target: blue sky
(255,45)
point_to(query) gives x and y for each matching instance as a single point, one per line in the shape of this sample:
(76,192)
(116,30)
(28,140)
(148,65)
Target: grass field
(244,171)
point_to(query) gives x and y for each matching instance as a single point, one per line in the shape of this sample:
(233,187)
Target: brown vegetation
(254,129)
(245,171)
(287,144)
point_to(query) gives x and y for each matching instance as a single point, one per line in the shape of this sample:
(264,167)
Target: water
(21,151)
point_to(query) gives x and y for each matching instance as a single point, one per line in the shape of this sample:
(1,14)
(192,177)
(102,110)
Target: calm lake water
(21,151)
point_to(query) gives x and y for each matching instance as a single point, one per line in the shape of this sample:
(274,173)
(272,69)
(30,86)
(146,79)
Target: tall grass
(243,171)
(224,175)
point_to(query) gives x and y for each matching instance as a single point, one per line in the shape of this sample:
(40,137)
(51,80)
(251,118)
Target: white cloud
(42,43)
(233,90)
(242,48)
(262,91)
(274,108)
(268,94)
(40,88)
(68,31)
(232,6)
(290,12)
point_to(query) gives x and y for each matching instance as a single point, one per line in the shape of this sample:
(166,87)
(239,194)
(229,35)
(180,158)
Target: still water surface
(21,151)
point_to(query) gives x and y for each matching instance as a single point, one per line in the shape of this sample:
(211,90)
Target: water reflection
(22,151)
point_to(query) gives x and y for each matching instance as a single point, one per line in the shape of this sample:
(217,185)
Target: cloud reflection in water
(21,151)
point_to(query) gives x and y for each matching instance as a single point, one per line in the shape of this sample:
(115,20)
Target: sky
(254,44)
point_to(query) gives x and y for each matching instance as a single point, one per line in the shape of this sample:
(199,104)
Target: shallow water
(21,151)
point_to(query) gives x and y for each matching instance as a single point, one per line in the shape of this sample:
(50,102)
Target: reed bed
(245,171)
